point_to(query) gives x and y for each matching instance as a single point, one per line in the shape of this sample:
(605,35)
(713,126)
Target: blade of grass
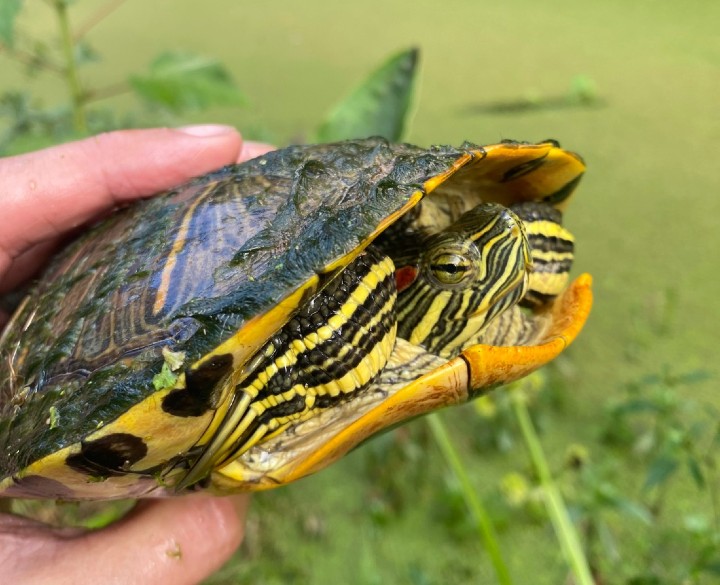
(480,514)
(559,516)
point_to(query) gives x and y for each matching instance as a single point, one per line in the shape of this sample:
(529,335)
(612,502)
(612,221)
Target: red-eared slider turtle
(252,326)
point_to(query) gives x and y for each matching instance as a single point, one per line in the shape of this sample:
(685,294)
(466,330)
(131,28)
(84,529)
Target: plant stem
(564,529)
(482,518)
(31,60)
(102,13)
(108,91)
(71,74)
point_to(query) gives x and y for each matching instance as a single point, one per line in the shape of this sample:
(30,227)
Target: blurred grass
(646,219)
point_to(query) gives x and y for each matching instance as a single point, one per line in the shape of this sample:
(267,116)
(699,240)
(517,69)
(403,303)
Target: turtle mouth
(507,296)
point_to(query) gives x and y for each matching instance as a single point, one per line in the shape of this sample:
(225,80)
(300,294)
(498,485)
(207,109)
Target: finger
(26,265)
(46,193)
(179,541)
(252,149)
(29,262)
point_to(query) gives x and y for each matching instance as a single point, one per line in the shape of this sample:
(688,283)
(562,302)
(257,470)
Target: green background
(646,219)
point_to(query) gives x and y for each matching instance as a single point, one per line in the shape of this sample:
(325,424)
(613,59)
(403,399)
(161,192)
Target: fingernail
(253,149)
(206,130)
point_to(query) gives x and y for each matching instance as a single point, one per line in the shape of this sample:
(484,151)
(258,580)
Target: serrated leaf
(660,470)
(183,81)
(379,106)
(9,10)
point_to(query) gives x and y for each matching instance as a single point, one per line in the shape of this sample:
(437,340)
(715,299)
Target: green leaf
(165,379)
(183,81)
(635,405)
(174,359)
(53,420)
(696,472)
(634,509)
(608,495)
(106,516)
(85,53)
(9,10)
(379,107)
(660,470)
(583,89)
(713,567)
(694,377)
(607,540)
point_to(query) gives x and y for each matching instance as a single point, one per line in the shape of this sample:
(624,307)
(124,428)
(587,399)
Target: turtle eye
(451,269)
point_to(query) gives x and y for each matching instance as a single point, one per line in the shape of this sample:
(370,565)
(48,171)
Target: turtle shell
(204,274)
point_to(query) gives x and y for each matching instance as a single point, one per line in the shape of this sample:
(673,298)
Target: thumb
(47,193)
(180,540)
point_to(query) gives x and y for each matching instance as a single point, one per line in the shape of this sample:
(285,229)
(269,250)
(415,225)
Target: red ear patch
(405,276)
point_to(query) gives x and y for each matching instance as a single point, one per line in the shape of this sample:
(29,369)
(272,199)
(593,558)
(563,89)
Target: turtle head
(552,249)
(465,275)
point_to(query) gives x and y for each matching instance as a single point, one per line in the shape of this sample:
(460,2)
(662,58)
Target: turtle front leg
(330,350)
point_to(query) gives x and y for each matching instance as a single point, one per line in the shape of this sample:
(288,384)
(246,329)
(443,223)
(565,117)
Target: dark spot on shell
(200,392)
(109,455)
(37,486)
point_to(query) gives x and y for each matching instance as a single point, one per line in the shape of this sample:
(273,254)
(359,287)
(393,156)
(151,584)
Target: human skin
(45,196)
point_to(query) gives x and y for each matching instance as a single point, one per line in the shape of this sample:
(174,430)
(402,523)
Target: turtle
(252,326)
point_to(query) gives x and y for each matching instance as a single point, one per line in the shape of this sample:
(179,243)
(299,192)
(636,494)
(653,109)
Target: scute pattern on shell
(179,266)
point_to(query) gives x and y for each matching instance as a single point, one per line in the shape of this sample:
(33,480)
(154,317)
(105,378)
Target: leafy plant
(672,437)
(174,84)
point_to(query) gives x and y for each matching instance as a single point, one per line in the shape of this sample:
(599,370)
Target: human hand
(45,195)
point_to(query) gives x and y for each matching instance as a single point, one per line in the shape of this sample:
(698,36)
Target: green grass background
(646,219)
